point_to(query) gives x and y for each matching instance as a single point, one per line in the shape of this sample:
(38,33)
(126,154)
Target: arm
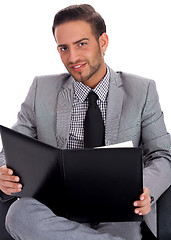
(156,145)
(26,122)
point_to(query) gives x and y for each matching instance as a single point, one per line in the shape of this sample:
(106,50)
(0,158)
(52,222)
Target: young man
(54,112)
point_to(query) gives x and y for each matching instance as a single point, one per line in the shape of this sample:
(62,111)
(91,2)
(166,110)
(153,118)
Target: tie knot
(92,98)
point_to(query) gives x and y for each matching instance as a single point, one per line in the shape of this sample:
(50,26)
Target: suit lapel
(114,108)
(113,115)
(64,109)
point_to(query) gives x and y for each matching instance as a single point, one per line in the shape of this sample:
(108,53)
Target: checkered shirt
(80,106)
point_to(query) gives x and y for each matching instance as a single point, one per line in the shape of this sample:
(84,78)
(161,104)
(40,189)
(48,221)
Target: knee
(17,214)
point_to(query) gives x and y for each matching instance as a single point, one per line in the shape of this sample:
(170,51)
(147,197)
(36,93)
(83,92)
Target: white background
(140,43)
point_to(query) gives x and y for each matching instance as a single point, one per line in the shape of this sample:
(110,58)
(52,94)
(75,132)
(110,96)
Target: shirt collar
(82,91)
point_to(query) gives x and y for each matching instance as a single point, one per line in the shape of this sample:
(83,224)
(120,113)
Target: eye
(82,44)
(63,49)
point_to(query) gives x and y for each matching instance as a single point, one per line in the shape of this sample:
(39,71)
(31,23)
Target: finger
(9,191)
(9,184)
(145,193)
(5,170)
(7,174)
(10,187)
(143,207)
(143,197)
(144,210)
(142,203)
(7,177)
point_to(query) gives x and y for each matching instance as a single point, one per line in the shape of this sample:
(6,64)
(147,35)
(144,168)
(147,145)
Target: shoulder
(51,80)
(136,84)
(129,80)
(133,79)
(50,84)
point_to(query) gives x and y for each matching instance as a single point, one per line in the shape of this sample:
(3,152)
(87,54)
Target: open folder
(84,185)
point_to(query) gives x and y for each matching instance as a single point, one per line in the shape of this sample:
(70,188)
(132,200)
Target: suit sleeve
(156,144)
(26,122)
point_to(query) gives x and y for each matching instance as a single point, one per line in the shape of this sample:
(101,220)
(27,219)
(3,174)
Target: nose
(73,55)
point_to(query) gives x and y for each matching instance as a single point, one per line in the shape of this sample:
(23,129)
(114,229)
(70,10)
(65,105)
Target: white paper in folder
(127,144)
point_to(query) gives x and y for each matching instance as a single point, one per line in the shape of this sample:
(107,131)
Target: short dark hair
(83,12)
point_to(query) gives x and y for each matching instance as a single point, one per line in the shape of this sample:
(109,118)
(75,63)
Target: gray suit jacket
(133,113)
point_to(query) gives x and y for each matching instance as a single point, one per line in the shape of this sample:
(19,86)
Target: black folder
(84,185)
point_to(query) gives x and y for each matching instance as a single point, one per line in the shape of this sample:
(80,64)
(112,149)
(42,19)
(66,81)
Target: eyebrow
(80,40)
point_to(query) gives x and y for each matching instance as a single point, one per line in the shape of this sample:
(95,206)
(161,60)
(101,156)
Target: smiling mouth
(78,67)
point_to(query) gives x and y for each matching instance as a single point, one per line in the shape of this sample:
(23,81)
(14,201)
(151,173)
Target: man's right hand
(8,182)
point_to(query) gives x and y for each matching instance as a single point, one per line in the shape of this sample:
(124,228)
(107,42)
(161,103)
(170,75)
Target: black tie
(94,129)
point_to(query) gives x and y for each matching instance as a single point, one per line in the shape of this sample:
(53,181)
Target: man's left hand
(143,206)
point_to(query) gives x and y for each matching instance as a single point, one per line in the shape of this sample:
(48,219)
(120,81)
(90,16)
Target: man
(54,112)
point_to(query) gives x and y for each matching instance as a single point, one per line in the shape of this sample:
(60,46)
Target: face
(80,51)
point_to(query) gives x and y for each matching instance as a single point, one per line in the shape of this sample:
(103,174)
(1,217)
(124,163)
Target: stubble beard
(93,69)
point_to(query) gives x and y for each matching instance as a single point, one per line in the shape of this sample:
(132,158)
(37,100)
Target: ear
(103,41)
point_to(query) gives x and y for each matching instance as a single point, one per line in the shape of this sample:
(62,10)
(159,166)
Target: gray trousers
(28,219)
